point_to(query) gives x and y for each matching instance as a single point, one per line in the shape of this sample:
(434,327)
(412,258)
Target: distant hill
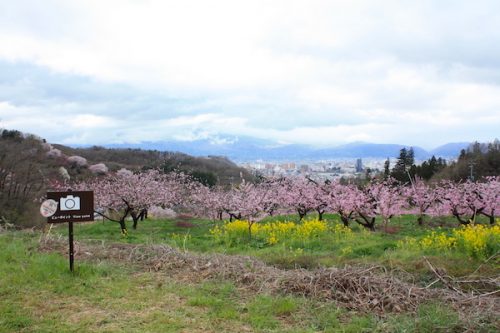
(224,170)
(365,150)
(248,149)
(52,157)
(450,149)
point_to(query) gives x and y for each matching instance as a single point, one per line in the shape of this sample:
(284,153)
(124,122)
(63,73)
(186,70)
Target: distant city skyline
(319,73)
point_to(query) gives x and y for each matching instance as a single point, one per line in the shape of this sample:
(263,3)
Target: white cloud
(316,72)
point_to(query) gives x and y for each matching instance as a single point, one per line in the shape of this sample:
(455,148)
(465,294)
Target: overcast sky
(314,72)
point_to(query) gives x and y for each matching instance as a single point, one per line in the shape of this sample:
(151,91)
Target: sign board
(72,206)
(48,208)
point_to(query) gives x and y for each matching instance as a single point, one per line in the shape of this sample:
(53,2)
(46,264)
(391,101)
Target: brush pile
(365,289)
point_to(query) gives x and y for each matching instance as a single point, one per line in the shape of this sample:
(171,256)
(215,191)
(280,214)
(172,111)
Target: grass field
(39,294)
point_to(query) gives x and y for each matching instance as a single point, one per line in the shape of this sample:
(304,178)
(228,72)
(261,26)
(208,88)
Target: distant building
(359,165)
(288,166)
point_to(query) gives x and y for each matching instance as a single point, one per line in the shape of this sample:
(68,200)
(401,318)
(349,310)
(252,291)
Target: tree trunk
(121,221)
(234,216)
(420,220)
(491,216)
(461,220)
(136,217)
(344,220)
(368,222)
(320,214)
(123,226)
(250,230)
(302,213)
(371,225)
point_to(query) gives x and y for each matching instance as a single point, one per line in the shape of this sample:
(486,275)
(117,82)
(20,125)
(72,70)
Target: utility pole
(407,169)
(471,176)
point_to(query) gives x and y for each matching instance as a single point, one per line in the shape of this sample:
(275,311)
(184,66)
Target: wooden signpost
(70,206)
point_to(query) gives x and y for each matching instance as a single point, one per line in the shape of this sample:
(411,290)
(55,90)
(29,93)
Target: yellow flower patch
(474,240)
(279,232)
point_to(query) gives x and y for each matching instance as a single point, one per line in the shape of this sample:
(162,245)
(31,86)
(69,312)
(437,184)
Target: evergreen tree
(478,161)
(387,168)
(430,167)
(410,157)
(403,165)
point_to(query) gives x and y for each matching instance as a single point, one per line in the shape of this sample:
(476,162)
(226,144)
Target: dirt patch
(367,289)
(391,230)
(184,224)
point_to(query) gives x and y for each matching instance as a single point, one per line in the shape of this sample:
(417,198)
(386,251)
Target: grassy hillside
(175,276)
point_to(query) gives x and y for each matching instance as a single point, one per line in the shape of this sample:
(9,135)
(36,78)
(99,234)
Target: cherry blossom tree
(125,194)
(128,194)
(208,201)
(330,195)
(379,199)
(461,200)
(98,169)
(273,188)
(77,161)
(300,194)
(247,202)
(344,200)
(422,197)
(488,196)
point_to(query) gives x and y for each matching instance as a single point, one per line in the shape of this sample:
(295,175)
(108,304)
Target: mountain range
(250,149)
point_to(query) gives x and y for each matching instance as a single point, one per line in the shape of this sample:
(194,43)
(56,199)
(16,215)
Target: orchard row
(125,194)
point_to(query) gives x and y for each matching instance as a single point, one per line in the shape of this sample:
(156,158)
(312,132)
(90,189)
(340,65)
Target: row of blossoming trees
(130,195)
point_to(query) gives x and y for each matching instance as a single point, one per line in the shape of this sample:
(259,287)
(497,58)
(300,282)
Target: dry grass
(366,289)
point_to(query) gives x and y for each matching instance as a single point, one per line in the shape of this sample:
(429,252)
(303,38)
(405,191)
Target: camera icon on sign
(69,203)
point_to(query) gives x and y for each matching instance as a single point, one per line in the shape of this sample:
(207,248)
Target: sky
(320,73)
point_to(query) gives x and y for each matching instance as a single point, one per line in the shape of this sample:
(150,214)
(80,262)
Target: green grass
(364,248)
(39,294)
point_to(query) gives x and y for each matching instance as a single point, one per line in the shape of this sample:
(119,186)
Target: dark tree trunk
(234,216)
(320,214)
(250,230)
(121,221)
(420,220)
(491,216)
(472,218)
(302,213)
(346,219)
(123,226)
(461,220)
(136,217)
(367,222)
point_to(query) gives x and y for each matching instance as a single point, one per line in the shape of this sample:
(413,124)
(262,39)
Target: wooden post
(71,247)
